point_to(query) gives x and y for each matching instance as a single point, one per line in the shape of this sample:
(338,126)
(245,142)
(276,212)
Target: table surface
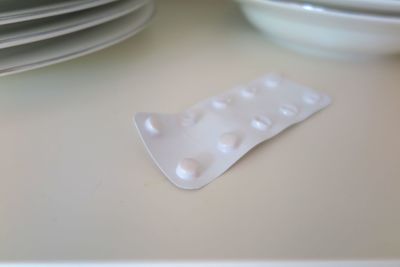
(76,183)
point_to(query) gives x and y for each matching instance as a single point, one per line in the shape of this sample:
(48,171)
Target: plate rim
(49,10)
(84,51)
(33,35)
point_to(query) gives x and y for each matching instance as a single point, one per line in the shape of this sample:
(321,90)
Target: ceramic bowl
(390,7)
(312,29)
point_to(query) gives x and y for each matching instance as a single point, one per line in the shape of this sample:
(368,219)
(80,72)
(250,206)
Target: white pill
(187,168)
(189,118)
(152,125)
(228,142)
(261,122)
(249,92)
(311,98)
(289,110)
(221,103)
(273,80)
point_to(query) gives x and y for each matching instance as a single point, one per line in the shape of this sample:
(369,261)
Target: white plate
(324,31)
(32,31)
(12,11)
(377,6)
(44,53)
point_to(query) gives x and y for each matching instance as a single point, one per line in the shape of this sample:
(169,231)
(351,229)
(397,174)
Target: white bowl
(317,30)
(370,6)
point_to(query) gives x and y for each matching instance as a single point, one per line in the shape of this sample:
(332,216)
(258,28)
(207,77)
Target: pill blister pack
(194,147)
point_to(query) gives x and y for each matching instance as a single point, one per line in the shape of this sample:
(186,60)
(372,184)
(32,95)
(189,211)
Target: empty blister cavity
(192,157)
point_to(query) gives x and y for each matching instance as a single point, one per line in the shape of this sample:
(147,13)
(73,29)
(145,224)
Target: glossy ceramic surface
(12,11)
(44,53)
(324,31)
(27,32)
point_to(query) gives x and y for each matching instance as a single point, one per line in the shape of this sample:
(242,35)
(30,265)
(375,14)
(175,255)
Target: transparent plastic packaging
(194,147)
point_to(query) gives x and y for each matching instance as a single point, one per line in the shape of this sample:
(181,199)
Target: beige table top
(77,184)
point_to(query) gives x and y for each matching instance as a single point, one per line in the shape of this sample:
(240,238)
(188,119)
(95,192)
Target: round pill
(261,122)
(221,103)
(152,125)
(311,98)
(273,80)
(227,142)
(187,168)
(249,92)
(289,110)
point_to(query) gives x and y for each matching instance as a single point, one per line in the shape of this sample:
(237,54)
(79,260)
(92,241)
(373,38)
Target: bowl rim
(325,11)
(384,5)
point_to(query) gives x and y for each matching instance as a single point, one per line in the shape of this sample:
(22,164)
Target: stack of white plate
(37,33)
(329,27)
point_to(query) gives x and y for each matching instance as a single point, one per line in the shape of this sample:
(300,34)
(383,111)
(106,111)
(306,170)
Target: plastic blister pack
(194,147)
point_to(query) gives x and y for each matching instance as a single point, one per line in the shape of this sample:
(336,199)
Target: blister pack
(194,147)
